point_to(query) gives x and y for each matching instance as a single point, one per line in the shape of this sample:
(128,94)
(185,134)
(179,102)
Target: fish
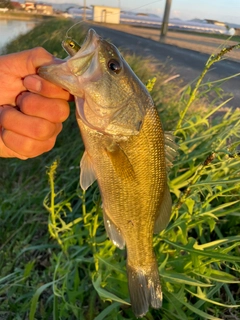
(126,152)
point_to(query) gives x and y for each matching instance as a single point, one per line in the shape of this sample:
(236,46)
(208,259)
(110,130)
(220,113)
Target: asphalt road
(187,63)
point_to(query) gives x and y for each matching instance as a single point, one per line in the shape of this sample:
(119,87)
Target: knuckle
(40,51)
(59,127)
(4,137)
(27,147)
(22,145)
(44,130)
(37,57)
(33,148)
(63,111)
(6,116)
(43,147)
(50,145)
(24,101)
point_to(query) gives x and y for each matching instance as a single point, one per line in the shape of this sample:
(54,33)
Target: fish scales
(131,197)
(149,178)
(125,151)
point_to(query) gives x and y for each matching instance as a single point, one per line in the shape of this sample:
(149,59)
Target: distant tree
(5,4)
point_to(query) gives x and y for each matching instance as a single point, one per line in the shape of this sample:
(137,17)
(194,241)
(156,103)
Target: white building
(106,14)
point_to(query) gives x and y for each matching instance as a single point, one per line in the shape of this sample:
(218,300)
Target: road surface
(187,63)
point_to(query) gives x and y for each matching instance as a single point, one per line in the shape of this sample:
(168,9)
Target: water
(10,29)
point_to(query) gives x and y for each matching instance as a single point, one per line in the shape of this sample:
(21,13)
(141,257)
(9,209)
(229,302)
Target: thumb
(32,82)
(36,84)
(23,63)
(37,57)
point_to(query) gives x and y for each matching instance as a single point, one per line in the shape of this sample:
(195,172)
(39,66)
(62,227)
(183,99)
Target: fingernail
(32,83)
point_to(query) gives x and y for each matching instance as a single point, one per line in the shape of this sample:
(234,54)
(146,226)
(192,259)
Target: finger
(36,84)
(5,152)
(26,147)
(33,127)
(53,110)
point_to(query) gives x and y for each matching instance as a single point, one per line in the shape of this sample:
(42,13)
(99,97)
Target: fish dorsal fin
(113,232)
(164,212)
(170,148)
(87,174)
(120,161)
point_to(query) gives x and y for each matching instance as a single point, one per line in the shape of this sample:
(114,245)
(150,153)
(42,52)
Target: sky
(222,10)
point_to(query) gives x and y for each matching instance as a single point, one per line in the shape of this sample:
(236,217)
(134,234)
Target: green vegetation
(55,259)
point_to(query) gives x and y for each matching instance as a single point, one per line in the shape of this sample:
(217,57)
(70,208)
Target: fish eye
(115,66)
(72,44)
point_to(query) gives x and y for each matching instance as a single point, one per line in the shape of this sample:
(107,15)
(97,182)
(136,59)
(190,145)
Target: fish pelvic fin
(87,174)
(144,288)
(164,213)
(113,232)
(170,148)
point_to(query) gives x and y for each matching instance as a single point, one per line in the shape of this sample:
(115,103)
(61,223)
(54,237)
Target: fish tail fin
(144,288)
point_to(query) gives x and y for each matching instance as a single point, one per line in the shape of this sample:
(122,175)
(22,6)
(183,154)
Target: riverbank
(19,15)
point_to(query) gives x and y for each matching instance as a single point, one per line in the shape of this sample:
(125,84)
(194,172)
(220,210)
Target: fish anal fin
(164,212)
(113,232)
(120,161)
(87,174)
(144,288)
(170,148)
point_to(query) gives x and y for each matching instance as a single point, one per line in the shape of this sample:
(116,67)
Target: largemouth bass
(125,151)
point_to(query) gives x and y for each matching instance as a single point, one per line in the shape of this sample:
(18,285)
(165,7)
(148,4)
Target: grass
(55,259)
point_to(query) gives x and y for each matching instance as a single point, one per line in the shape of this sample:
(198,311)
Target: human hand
(31,109)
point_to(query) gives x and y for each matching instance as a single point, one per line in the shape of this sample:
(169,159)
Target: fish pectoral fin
(170,148)
(120,161)
(113,232)
(87,174)
(164,212)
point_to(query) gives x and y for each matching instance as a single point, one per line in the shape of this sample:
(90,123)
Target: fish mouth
(65,73)
(90,41)
(82,60)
